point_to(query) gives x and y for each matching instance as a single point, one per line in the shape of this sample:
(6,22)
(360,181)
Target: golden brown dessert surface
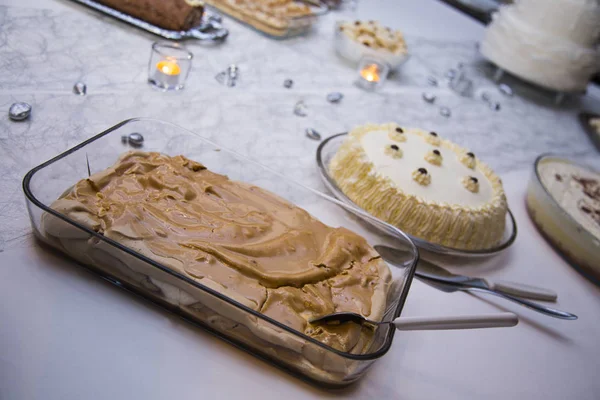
(259,249)
(274,17)
(168,14)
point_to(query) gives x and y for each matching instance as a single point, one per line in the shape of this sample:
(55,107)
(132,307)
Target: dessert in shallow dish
(276,18)
(357,39)
(228,251)
(427,186)
(238,239)
(563,200)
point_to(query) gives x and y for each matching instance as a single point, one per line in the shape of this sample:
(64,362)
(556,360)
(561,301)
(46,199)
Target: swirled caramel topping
(258,247)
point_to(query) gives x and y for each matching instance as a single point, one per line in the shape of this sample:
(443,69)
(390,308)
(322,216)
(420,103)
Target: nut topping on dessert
(434,157)
(397,135)
(422,176)
(433,139)
(393,151)
(374,35)
(471,184)
(468,160)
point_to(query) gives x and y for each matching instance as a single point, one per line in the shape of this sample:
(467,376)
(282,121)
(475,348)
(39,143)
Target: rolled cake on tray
(236,239)
(425,185)
(175,15)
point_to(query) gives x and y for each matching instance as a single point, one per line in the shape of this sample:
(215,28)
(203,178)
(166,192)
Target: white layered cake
(553,43)
(425,185)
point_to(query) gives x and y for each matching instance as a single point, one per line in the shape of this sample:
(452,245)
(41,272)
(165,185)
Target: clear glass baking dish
(277,29)
(577,245)
(199,304)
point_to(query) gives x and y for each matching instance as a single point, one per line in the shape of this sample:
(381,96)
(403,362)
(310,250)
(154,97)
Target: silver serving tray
(210,28)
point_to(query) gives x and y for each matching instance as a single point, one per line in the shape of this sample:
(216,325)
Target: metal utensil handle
(523,290)
(498,320)
(529,304)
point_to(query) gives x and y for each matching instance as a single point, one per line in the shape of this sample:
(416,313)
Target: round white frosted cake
(553,43)
(425,185)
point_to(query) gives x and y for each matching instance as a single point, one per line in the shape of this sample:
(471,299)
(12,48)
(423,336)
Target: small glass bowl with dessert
(355,40)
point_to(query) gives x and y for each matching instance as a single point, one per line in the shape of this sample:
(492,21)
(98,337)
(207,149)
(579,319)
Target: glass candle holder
(169,66)
(372,73)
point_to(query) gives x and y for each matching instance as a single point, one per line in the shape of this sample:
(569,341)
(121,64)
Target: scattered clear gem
(445,112)
(505,89)
(300,109)
(232,75)
(221,77)
(429,97)
(485,96)
(135,139)
(288,83)
(495,106)
(432,81)
(335,97)
(80,89)
(228,77)
(19,111)
(451,73)
(312,134)
(462,86)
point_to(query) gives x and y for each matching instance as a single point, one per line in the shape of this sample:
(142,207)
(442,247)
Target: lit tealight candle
(370,73)
(168,67)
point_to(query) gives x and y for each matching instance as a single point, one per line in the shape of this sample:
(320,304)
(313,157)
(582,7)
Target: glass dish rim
(356,357)
(172,45)
(420,243)
(591,238)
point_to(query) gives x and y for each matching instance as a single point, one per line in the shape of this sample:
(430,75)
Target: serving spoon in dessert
(496,320)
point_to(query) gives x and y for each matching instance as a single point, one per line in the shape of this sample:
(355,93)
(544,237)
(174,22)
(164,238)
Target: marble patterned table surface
(47,46)
(44,51)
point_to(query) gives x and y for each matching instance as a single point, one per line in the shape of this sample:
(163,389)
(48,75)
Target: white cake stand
(501,70)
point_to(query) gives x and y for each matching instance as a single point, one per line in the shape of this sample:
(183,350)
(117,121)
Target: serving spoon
(497,320)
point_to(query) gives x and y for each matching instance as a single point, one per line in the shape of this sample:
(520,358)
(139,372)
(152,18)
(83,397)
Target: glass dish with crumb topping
(563,200)
(277,19)
(225,243)
(355,40)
